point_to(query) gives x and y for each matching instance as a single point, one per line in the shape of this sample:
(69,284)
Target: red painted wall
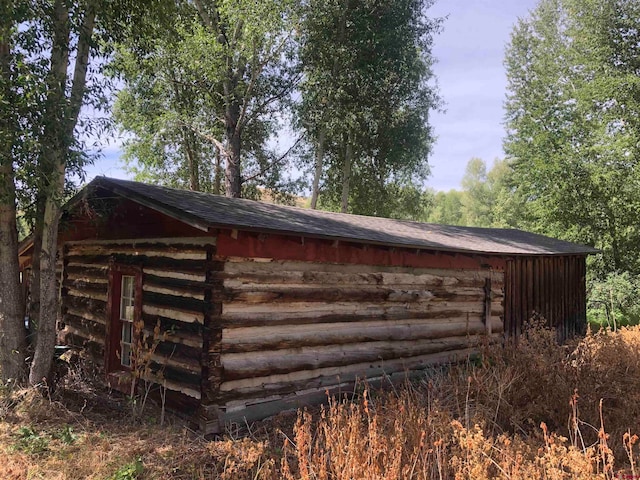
(282,247)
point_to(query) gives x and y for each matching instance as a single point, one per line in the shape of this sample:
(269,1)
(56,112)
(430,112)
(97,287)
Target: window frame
(114,330)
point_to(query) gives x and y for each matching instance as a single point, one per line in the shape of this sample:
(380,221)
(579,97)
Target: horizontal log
(90,306)
(242,312)
(169,349)
(369,273)
(295,336)
(170,326)
(189,266)
(84,292)
(88,285)
(172,385)
(259,364)
(91,327)
(152,281)
(87,314)
(361,293)
(82,278)
(173,241)
(197,294)
(175,275)
(87,272)
(80,332)
(355,314)
(94,349)
(174,314)
(175,375)
(186,253)
(259,387)
(180,363)
(172,301)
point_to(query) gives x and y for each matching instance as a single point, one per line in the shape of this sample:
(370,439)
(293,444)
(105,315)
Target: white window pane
(127,299)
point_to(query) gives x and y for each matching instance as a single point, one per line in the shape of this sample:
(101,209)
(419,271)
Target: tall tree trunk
(12,331)
(217,174)
(319,164)
(33,308)
(62,116)
(46,337)
(192,161)
(232,171)
(346,175)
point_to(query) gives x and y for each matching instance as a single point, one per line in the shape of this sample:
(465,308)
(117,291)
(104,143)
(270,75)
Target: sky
(471,80)
(472,83)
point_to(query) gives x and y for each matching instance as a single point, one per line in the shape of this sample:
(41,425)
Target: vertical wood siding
(550,286)
(297,328)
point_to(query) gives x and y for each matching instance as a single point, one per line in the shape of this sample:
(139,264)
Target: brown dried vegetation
(535,410)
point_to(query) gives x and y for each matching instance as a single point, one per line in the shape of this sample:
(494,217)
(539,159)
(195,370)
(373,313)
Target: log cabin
(254,308)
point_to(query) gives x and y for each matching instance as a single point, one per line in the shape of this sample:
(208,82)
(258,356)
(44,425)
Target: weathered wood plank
(84,333)
(148,250)
(174,314)
(85,291)
(259,364)
(197,294)
(256,265)
(459,278)
(175,274)
(173,241)
(365,293)
(290,336)
(179,265)
(93,328)
(260,387)
(89,307)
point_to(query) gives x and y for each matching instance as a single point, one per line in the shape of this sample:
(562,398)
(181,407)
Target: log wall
(291,330)
(174,295)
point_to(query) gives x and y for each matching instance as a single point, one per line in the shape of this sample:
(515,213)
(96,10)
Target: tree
(447,208)
(572,123)
(12,337)
(46,80)
(366,98)
(210,91)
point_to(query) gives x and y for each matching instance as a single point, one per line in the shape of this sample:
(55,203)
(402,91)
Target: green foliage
(366,95)
(447,208)
(572,124)
(615,300)
(486,199)
(208,91)
(30,441)
(129,471)
(66,435)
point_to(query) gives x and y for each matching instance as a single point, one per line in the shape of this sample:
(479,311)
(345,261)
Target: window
(127,308)
(124,313)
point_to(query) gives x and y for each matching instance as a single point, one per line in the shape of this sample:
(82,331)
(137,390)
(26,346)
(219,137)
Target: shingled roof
(205,211)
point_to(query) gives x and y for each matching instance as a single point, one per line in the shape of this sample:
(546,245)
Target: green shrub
(615,301)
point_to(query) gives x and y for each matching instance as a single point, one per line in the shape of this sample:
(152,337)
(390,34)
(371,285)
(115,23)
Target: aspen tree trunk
(192,160)
(217,174)
(319,164)
(346,175)
(62,116)
(46,334)
(12,331)
(232,171)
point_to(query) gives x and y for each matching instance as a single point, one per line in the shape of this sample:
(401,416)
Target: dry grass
(537,410)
